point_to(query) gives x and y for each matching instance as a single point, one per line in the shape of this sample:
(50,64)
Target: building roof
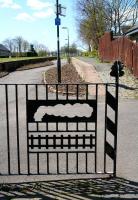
(2,47)
(132,31)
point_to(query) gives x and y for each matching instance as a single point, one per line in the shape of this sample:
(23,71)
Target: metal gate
(44,132)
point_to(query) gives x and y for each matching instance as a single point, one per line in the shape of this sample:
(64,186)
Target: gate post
(116,72)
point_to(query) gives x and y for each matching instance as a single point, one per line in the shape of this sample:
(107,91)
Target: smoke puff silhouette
(68,110)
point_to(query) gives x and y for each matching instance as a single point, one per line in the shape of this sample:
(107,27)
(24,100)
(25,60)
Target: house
(4,52)
(133,33)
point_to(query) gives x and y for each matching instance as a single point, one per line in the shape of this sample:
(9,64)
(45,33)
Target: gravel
(128,83)
(69,75)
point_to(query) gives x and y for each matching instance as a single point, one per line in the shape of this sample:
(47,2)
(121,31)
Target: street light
(68,43)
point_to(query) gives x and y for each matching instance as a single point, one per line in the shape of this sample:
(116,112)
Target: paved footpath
(127,160)
(128,118)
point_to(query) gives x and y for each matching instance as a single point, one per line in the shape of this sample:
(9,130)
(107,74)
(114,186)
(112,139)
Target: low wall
(13,65)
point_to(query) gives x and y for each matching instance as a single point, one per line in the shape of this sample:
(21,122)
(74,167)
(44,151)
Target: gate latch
(117,69)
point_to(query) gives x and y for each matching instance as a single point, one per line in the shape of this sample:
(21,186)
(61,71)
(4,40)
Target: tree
(91,22)
(9,44)
(25,45)
(18,43)
(41,49)
(120,13)
(73,49)
(98,16)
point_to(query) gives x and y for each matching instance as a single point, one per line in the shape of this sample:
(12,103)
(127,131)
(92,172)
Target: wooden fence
(121,49)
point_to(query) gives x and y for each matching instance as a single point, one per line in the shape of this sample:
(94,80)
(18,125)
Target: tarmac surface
(127,154)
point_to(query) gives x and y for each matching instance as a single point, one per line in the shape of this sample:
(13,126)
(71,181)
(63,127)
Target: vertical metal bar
(47,127)
(54,141)
(32,142)
(28,156)
(57,100)
(56,91)
(91,143)
(77,163)
(116,121)
(76,145)
(67,127)
(86,126)
(47,163)
(67,164)
(86,162)
(69,141)
(67,97)
(46,92)
(67,92)
(46,141)
(77,91)
(96,129)
(56,126)
(61,141)
(36,89)
(87,92)
(37,126)
(39,141)
(46,99)
(38,164)
(77,126)
(57,163)
(17,123)
(105,132)
(83,138)
(58,45)
(8,136)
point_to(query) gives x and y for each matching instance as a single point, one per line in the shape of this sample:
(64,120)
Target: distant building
(4,52)
(133,33)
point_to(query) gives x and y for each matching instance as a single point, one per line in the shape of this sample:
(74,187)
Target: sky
(34,20)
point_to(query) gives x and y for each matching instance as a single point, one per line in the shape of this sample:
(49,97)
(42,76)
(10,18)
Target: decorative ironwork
(61,111)
(61,133)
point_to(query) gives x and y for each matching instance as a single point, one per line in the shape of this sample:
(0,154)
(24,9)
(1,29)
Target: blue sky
(34,20)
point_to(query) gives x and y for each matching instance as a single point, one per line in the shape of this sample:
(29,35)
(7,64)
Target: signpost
(59,11)
(57,22)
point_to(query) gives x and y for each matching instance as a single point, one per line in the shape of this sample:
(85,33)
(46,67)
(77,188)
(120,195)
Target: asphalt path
(127,156)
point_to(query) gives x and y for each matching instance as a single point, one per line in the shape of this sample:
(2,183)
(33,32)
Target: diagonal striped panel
(109,151)
(111,126)
(111,100)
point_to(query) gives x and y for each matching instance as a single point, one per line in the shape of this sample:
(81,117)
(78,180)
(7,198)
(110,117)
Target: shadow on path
(96,189)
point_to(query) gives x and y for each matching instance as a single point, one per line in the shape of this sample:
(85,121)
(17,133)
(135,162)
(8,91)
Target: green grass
(18,58)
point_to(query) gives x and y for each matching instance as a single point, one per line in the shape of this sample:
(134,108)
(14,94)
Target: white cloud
(9,4)
(44,14)
(24,17)
(37,4)
(34,16)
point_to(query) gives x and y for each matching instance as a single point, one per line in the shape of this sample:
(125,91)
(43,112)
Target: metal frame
(82,142)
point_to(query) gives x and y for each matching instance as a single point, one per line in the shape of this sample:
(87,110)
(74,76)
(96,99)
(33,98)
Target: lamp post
(68,43)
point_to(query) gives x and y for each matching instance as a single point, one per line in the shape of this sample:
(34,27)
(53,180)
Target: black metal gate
(44,132)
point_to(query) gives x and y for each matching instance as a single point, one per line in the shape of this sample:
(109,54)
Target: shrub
(92,54)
